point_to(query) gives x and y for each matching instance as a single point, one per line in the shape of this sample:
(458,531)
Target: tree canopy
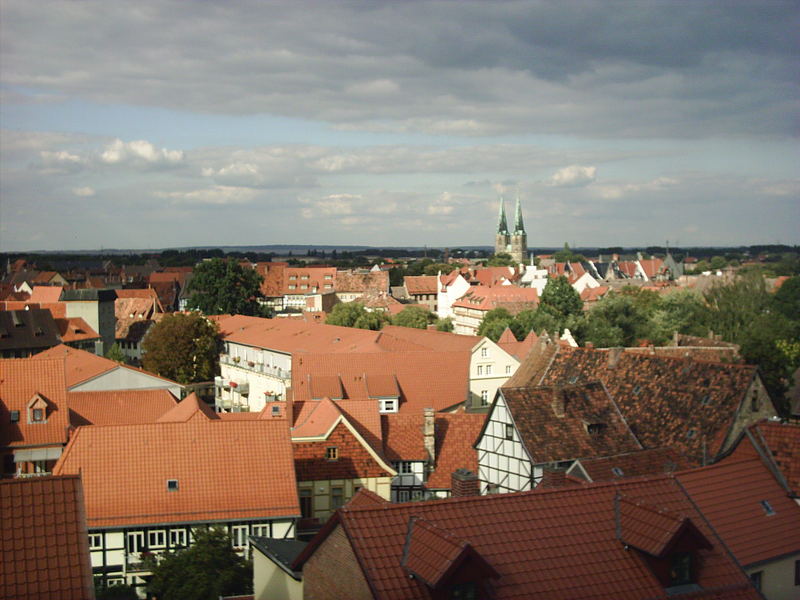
(413,316)
(225,287)
(183,347)
(207,570)
(353,314)
(501,259)
(560,299)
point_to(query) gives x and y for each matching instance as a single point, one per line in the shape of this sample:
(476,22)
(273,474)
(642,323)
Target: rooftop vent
(767,508)
(172,485)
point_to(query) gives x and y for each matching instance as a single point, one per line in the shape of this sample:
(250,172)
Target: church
(516,243)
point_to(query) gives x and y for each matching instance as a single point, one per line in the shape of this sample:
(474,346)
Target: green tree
(445,325)
(435,268)
(567,255)
(618,320)
(494,323)
(353,314)
(413,316)
(501,259)
(225,287)
(115,353)
(560,299)
(787,299)
(537,320)
(718,262)
(683,311)
(115,592)
(210,568)
(183,347)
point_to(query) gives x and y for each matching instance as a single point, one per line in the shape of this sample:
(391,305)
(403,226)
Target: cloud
(218,195)
(616,191)
(83,192)
(573,176)
(140,151)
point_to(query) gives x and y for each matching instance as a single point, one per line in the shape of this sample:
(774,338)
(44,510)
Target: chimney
(613,356)
(429,437)
(559,402)
(553,477)
(464,483)
(589,345)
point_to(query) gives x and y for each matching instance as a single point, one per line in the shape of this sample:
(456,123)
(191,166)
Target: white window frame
(484,352)
(488,369)
(157,538)
(261,530)
(508,369)
(480,370)
(95,541)
(387,405)
(239,533)
(177,538)
(403,495)
(404,467)
(134,542)
(484,397)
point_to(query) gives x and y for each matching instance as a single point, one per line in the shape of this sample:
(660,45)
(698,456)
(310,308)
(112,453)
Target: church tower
(502,241)
(519,239)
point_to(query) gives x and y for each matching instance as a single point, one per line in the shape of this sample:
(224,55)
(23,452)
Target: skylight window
(617,471)
(636,390)
(172,485)
(691,433)
(767,508)
(704,401)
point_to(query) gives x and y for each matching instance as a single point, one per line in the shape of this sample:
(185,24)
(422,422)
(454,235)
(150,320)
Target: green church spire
(519,226)
(502,226)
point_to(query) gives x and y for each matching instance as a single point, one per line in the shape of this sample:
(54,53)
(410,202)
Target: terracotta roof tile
(27,330)
(46,293)
(455,435)
(44,546)
(564,423)
(732,496)
(685,404)
(647,527)
(432,339)
(513,298)
(21,380)
(188,409)
(421,284)
(125,469)
(632,464)
(118,407)
(349,281)
(566,547)
(430,552)
(782,442)
(316,420)
(75,329)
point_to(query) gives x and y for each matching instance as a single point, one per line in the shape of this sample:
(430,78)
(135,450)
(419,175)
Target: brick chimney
(553,476)
(613,356)
(429,437)
(464,483)
(559,402)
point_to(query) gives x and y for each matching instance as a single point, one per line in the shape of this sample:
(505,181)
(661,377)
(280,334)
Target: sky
(154,124)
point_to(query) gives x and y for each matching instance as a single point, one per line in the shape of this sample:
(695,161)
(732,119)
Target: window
(337,498)
(156,539)
(403,495)
(328,286)
(95,541)
(261,530)
(797,572)
(292,287)
(488,369)
(332,453)
(767,508)
(388,406)
(172,485)
(304,277)
(480,369)
(292,277)
(509,432)
(239,536)
(508,369)
(404,467)
(15,416)
(757,578)
(306,504)
(328,277)
(617,471)
(595,429)
(484,397)
(463,591)
(177,538)
(636,390)
(484,352)
(690,433)
(38,415)
(704,400)
(680,572)
(754,403)
(135,541)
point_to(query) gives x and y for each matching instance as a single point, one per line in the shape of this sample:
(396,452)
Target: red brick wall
(333,571)
(354,460)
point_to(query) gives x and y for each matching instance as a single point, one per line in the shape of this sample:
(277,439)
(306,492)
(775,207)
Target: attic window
(767,508)
(38,415)
(690,434)
(276,410)
(636,390)
(332,453)
(704,401)
(573,379)
(617,471)
(172,485)
(680,572)
(595,429)
(509,432)
(15,416)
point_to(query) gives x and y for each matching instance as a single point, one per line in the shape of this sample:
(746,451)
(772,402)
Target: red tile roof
(647,527)
(731,494)
(554,422)
(431,339)
(80,366)
(510,297)
(695,402)
(125,469)
(349,281)
(44,546)
(494,276)
(565,547)
(782,442)
(518,350)
(630,464)
(118,407)
(421,284)
(21,380)
(188,409)
(75,329)
(455,435)
(46,293)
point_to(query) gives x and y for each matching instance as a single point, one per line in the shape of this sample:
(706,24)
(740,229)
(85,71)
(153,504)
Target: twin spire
(502,225)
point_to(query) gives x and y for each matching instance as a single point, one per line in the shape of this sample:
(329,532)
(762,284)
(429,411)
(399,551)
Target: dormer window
(38,415)
(595,429)
(37,410)
(680,572)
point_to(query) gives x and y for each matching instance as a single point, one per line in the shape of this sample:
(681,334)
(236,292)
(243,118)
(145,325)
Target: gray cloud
(466,68)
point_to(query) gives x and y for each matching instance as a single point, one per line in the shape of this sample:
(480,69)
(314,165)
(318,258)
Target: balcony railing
(257,367)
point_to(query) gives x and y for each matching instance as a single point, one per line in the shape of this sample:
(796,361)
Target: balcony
(256,367)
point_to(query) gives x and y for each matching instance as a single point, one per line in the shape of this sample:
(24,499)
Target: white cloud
(60,157)
(219,195)
(616,191)
(573,176)
(83,192)
(139,151)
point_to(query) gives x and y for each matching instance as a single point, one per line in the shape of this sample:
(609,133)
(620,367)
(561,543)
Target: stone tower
(502,240)
(519,239)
